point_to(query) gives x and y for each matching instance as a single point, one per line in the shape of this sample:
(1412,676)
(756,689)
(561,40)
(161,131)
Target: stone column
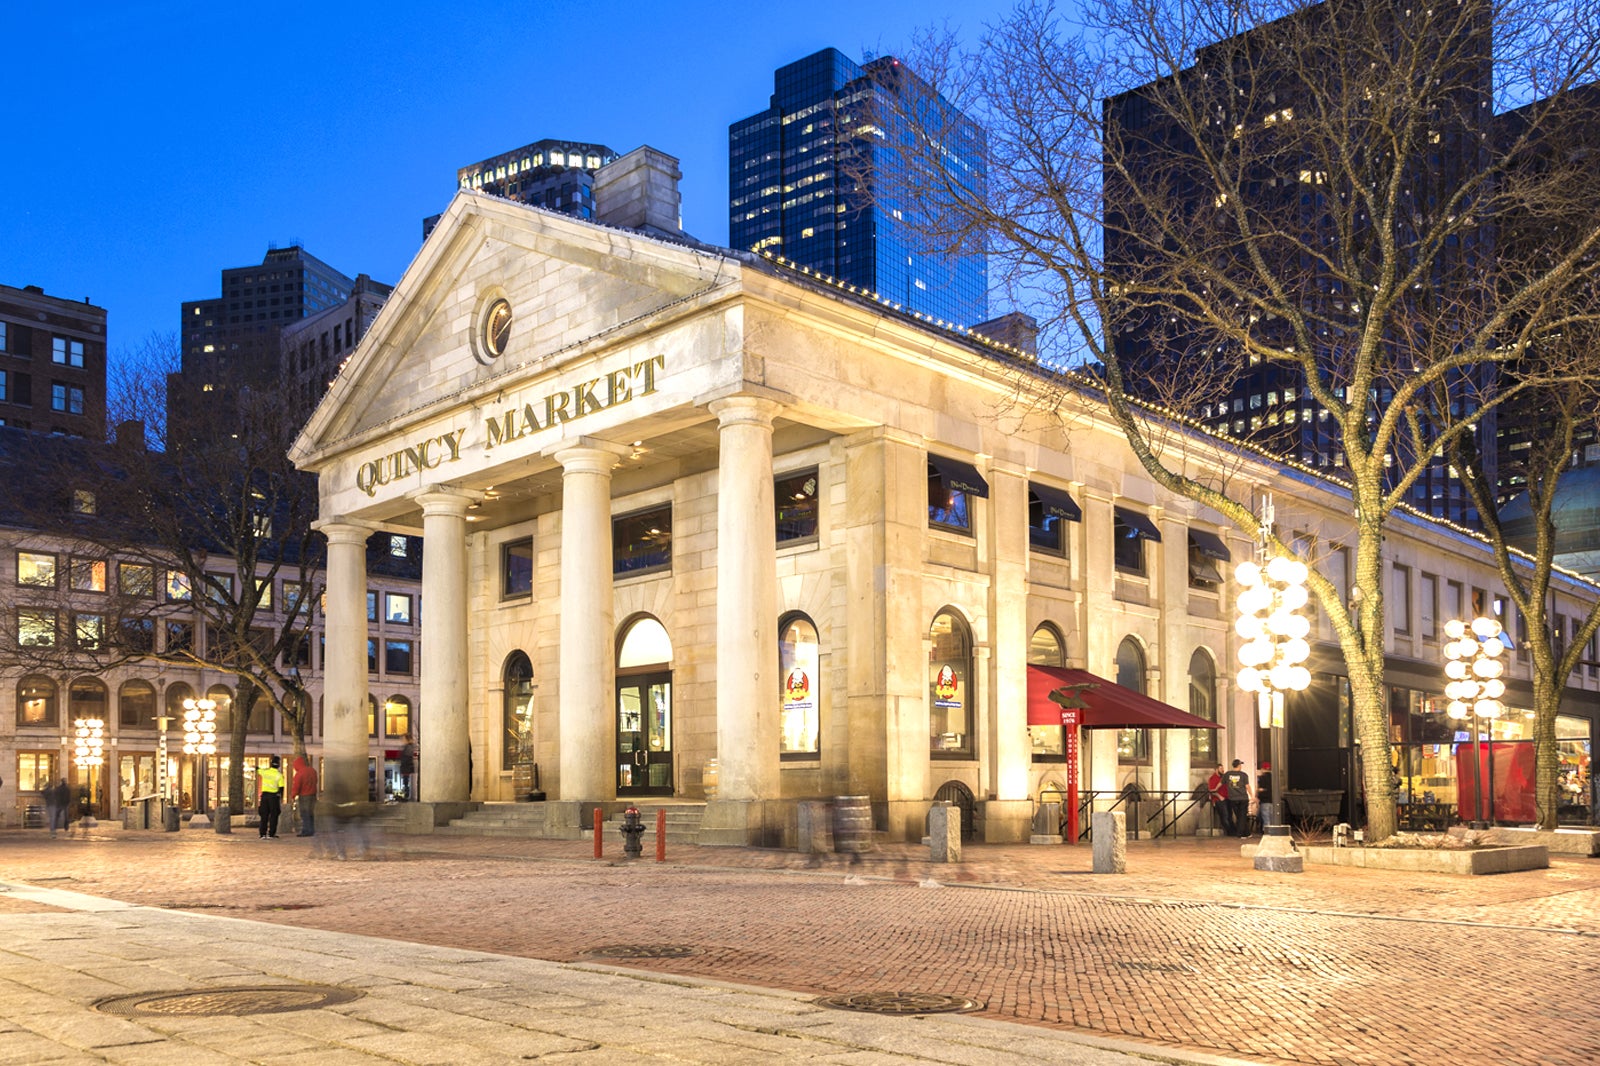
(1006,817)
(344,663)
(443,775)
(588,667)
(747,599)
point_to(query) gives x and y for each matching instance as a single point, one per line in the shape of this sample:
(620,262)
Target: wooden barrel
(852,824)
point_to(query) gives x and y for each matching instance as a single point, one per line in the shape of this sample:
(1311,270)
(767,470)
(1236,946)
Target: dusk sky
(150,145)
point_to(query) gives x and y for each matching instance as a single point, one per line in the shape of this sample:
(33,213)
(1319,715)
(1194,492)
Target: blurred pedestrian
(303,790)
(269,800)
(1269,814)
(408,769)
(56,798)
(1238,798)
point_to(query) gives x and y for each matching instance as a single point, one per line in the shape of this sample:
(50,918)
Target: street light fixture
(1273,655)
(88,749)
(200,738)
(1474,689)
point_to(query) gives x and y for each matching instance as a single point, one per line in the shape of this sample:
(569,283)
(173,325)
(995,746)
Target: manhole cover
(899,1002)
(641,951)
(268,999)
(1155,967)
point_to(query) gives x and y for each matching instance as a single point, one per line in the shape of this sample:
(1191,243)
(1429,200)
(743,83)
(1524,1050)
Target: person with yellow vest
(270,799)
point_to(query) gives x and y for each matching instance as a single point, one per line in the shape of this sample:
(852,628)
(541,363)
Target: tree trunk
(1547,759)
(242,703)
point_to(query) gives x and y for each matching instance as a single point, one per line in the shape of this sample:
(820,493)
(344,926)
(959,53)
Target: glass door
(644,735)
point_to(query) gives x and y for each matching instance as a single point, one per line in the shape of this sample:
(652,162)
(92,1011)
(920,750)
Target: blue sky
(151,144)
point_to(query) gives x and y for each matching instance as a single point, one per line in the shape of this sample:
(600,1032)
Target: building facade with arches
(700,526)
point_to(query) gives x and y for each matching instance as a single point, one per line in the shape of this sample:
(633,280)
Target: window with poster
(950,691)
(799,697)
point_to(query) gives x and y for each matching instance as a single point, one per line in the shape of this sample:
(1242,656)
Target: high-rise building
(233,340)
(813,178)
(553,174)
(52,363)
(314,348)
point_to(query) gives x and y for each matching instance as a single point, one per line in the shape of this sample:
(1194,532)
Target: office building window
(36,627)
(36,701)
(396,716)
(88,631)
(397,658)
(397,608)
(1400,600)
(86,575)
(66,398)
(1428,605)
(36,569)
(516,568)
(66,352)
(795,503)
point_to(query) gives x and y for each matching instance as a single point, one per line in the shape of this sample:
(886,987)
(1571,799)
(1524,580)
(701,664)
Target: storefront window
(641,543)
(35,770)
(1133,745)
(1046,648)
(800,688)
(950,694)
(1202,704)
(516,711)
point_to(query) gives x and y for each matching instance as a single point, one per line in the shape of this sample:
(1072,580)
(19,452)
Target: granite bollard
(1110,830)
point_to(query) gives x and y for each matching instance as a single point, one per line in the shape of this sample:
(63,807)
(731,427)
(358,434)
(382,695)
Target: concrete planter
(1582,842)
(1492,860)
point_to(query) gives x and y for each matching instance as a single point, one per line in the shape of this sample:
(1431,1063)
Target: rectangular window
(372,656)
(1129,531)
(372,606)
(794,501)
(1207,553)
(36,770)
(397,658)
(952,485)
(1399,605)
(36,627)
(641,543)
(399,546)
(88,631)
(397,608)
(137,634)
(86,575)
(83,501)
(1455,600)
(264,593)
(179,590)
(1428,605)
(1049,511)
(180,637)
(65,351)
(299,653)
(219,588)
(66,398)
(3,384)
(36,569)
(294,593)
(516,568)
(396,717)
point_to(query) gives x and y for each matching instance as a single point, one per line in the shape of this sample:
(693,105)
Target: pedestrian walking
(1269,814)
(56,798)
(408,768)
(303,790)
(1217,788)
(1238,783)
(85,809)
(269,800)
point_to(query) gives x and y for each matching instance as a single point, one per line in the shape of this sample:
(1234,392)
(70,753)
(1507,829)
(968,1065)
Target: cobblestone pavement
(1193,950)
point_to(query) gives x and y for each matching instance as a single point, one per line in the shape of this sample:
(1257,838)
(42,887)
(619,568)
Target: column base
(571,819)
(1276,853)
(746,823)
(1008,821)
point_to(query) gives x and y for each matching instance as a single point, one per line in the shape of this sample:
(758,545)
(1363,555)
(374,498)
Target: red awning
(1110,706)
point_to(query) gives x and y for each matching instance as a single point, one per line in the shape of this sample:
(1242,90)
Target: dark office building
(556,175)
(314,348)
(233,340)
(52,363)
(812,178)
(1253,121)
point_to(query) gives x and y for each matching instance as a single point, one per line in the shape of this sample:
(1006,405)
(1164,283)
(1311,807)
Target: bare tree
(1191,191)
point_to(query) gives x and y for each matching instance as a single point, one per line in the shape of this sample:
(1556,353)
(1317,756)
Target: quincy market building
(701,526)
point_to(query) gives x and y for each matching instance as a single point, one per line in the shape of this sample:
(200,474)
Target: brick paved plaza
(1192,953)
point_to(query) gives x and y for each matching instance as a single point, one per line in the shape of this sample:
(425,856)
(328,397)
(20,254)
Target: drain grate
(641,951)
(899,1002)
(1156,967)
(229,1002)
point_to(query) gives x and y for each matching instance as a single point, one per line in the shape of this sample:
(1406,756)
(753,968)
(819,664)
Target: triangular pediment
(566,283)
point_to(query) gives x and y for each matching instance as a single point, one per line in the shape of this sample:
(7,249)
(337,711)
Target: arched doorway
(644,710)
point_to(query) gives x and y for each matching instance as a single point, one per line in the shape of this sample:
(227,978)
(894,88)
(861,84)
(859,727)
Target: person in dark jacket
(270,799)
(1238,783)
(56,799)
(1217,788)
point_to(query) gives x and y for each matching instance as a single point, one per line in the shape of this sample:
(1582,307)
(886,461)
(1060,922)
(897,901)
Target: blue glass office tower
(814,178)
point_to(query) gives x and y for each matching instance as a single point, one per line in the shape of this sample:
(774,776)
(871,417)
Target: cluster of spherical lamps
(1273,655)
(199,727)
(89,741)
(1473,667)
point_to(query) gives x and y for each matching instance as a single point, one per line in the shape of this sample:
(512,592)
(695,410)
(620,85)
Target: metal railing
(1159,812)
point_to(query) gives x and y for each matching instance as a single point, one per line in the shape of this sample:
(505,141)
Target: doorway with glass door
(644,735)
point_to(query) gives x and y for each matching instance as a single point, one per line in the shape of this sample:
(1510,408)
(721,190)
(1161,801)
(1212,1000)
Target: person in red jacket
(303,791)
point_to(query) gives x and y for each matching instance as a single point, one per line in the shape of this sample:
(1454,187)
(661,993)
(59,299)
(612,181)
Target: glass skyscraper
(817,179)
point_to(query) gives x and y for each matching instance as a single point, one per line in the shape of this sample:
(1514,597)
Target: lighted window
(87,575)
(36,627)
(795,503)
(1133,745)
(799,688)
(951,486)
(1049,511)
(83,501)
(399,546)
(294,593)
(950,690)
(516,711)
(36,700)
(1203,704)
(88,631)
(516,568)
(397,608)
(641,542)
(396,716)
(36,569)
(36,770)
(179,588)
(1046,648)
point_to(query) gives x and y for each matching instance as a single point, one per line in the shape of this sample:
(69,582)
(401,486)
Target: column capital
(447,500)
(587,455)
(745,409)
(343,530)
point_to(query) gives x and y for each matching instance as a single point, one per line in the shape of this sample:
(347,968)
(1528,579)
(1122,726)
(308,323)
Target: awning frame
(959,475)
(1140,523)
(1058,503)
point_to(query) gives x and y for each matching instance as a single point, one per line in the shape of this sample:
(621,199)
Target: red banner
(1505,769)
(1069,727)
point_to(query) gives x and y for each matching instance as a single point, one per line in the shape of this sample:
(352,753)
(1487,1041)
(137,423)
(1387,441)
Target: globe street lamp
(1474,689)
(88,749)
(1273,655)
(200,738)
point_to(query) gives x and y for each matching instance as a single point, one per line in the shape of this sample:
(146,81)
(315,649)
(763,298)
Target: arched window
(799,688)
(136,705)
(396,716)
(222,696)
(86,698)
(644,710)
(516,709)
(1046,648)
(645,644)
(36,701)
(372,715)
(173,705)
(951,695)
(1133,745)
(1203,703)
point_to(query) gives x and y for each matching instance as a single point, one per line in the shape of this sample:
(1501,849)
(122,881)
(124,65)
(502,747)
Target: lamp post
(1272,657)
(200,738)
(1474,688)
(88,749)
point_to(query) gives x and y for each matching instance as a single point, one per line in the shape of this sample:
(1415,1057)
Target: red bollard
(661,834)
(598,834)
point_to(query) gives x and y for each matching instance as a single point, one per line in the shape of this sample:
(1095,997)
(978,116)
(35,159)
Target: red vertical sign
(1069,727)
